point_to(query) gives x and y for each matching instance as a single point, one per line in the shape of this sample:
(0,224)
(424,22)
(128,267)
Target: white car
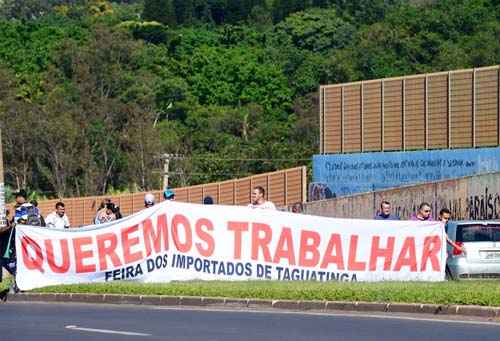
(481,258)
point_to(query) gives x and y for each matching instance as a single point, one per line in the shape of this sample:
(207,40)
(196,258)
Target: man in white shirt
(58,219)
(259,201)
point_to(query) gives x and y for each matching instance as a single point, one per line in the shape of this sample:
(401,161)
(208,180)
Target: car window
(496,234)
(478,233)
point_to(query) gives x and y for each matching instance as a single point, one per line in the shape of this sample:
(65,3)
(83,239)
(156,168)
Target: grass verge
(485,293)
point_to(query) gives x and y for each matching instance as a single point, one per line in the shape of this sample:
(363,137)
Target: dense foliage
(92,93)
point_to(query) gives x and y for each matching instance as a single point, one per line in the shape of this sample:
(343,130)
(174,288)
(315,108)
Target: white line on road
(106,331)
(442,319)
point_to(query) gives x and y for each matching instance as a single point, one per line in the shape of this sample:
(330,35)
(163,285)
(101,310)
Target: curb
(286,305)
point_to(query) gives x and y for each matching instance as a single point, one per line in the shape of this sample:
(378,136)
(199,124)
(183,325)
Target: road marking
(105,331)
(339,314)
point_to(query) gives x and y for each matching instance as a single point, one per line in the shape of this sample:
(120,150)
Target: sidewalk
(256,304)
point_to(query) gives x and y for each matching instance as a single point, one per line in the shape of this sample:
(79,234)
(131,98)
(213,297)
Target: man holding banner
(259,199)
(181,241)
(7,242)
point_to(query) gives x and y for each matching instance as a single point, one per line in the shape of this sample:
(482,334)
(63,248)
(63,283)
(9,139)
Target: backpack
(34,216)
(28,214)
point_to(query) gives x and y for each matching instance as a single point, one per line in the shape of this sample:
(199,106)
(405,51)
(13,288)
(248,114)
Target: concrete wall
(475,197)
(346,174)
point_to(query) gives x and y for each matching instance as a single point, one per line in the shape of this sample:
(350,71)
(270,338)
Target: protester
(444,217)
(8,256)
(7,248)
(20,197)
(149,200)
(208,200)
(106,214)
(117,212)
(8,241)
(385,212)
(168,194)
(297,207)
(259,201)
(101,210)
(423,213)
(58,219)
(42,220)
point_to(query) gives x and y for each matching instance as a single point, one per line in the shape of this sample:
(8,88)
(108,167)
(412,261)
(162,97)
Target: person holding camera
(117,212)
(106,214)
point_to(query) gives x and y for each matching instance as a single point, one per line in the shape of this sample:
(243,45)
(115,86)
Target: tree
(56,157)
(184,10)
(236,77)
(32,9)
(317,30)
(161,11)
(114,104)
(235,11)
(366,12)
(282,8)
(152,32)
(25,10)
(19,131)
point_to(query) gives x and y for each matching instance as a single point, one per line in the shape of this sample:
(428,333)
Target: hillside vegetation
(93,92)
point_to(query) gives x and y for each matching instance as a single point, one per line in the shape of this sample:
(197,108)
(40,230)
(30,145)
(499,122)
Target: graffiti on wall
(347,174)
(471,198)
(319,191)
(484,206)
(454,205)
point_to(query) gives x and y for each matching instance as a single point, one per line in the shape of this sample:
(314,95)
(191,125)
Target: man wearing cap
(21,198)
(149,200)
(168,194)
(26,212)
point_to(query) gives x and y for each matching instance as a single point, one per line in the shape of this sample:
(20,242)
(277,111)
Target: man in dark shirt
(8,255)
(385,212)
(424,213)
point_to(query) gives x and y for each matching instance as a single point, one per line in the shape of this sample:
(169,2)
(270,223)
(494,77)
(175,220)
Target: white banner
(180,241)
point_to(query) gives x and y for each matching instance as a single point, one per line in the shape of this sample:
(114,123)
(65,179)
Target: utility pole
(166,166)
(3,215)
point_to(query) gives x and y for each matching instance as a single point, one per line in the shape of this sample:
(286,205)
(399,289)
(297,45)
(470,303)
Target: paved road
(38,321)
